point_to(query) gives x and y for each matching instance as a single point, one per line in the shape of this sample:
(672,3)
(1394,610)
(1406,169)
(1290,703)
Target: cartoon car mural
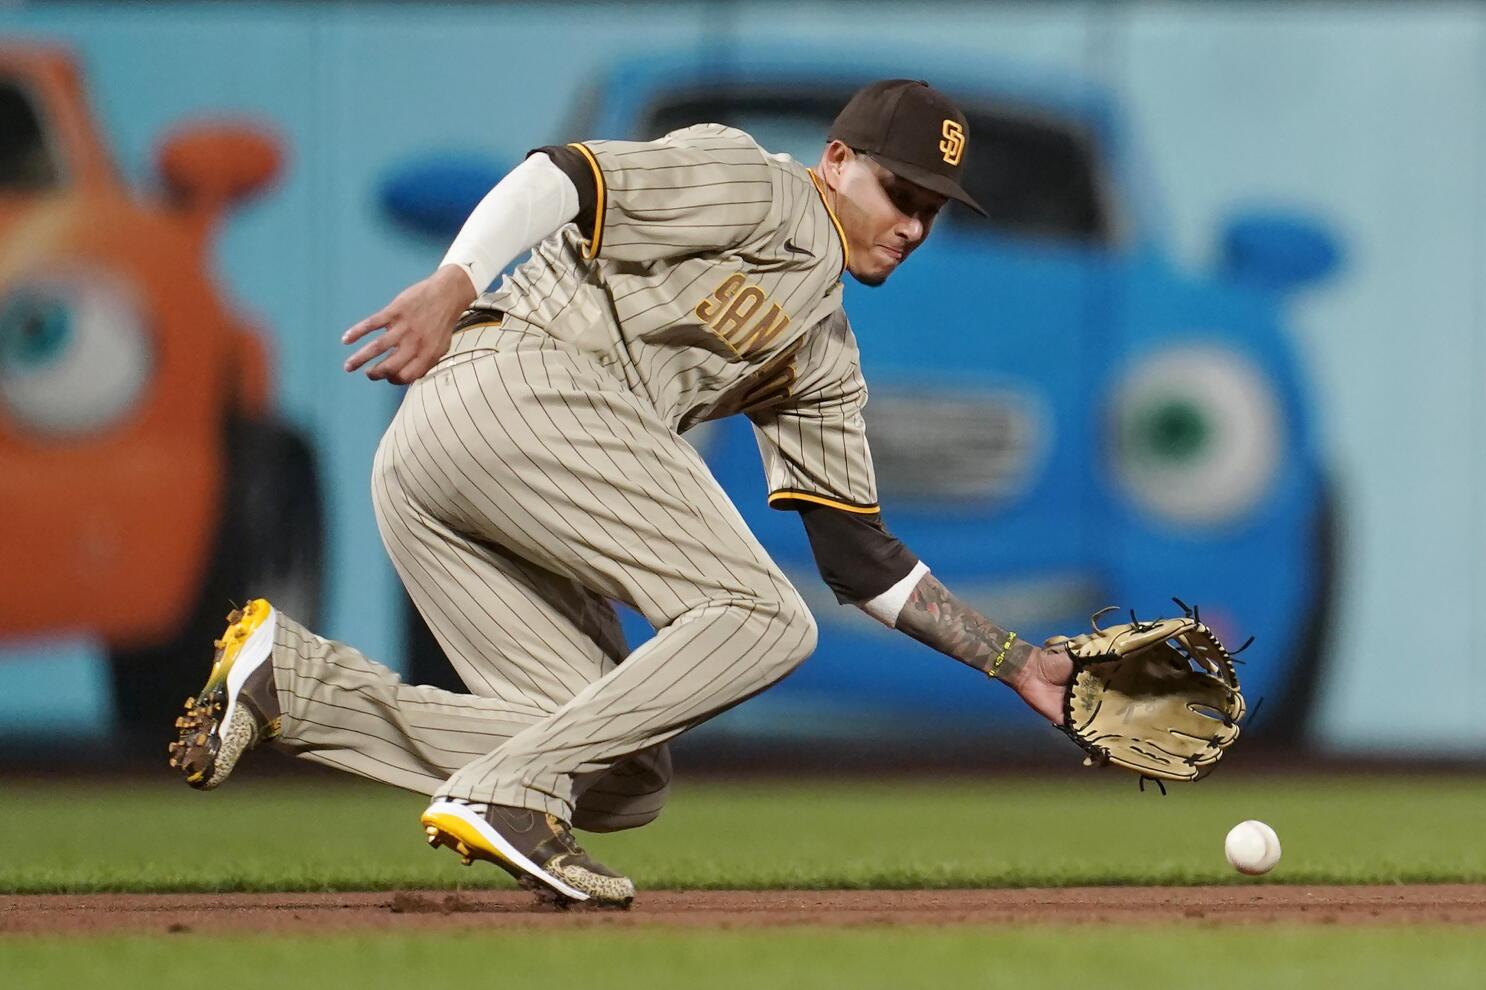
(1060,418)
(144,480)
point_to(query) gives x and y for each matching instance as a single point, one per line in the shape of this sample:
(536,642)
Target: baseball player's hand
(416,327)
(1043,682)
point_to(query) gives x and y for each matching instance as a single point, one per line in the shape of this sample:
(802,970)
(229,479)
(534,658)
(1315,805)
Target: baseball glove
(1160,698)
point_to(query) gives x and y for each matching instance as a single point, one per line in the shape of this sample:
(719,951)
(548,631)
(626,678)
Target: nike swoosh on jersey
(792,246)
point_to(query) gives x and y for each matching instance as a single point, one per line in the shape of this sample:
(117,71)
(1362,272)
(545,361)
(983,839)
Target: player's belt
(479,318)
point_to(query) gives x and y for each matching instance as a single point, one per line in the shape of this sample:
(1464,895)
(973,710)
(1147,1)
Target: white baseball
(1252,847)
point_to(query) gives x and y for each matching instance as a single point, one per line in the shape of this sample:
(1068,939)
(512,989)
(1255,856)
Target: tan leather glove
(1160,698)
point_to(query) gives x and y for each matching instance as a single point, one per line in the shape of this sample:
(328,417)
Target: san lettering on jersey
(742,314)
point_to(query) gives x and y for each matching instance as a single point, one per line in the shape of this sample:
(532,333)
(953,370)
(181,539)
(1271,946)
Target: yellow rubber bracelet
(1001,657)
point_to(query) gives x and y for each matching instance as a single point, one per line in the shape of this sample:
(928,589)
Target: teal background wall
(1371,116)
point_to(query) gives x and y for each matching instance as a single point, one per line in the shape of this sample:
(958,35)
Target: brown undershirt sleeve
(858,558)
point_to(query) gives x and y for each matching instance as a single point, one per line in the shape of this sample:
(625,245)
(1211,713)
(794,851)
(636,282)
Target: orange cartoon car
(144,482)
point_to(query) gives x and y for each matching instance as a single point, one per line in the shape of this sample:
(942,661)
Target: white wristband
(886,606)
(525,208)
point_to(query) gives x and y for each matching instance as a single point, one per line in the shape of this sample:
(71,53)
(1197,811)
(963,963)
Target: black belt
(479,318)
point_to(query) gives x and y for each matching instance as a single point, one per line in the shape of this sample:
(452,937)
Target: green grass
(319,834)
(1109,959)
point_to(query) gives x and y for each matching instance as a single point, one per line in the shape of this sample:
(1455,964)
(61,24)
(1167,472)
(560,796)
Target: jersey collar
(821,189)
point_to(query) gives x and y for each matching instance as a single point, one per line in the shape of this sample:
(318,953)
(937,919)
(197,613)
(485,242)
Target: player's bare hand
(1043,681)
(416,327)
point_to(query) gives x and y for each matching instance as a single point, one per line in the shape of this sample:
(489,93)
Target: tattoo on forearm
(936,618)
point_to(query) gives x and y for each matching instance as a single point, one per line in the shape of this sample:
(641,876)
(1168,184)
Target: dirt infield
(417,910)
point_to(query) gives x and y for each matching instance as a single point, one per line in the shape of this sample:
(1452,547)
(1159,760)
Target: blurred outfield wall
(1369,119)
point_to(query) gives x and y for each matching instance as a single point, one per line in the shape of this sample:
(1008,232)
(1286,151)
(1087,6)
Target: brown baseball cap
(912,130)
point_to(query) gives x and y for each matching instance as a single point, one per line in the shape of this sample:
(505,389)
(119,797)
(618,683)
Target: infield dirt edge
(421,910)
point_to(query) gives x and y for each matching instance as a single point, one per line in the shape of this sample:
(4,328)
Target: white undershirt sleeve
(886,606)
(525,208)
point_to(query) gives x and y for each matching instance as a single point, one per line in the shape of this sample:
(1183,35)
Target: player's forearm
(526,207)
(865,564)
(935,617)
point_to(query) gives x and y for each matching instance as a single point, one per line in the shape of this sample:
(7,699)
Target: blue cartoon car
(1060,418)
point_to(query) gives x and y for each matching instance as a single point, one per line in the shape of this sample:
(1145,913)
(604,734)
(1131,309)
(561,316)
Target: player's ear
(832,160)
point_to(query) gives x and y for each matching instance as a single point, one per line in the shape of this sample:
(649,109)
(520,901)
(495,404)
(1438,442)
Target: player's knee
(386,486)
(608,821)
(593,816)
(803,623)
(629,795)
(793,630)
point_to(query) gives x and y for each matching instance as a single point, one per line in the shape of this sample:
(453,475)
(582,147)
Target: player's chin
(875,275)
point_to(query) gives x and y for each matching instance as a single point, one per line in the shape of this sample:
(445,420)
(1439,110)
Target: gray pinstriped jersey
(711,285)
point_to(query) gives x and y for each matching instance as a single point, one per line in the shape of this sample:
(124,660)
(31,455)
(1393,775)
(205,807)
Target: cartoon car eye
(74,354)
(1197,434)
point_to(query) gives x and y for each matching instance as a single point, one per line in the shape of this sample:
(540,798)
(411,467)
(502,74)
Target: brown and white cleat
(238,708)
(537,849)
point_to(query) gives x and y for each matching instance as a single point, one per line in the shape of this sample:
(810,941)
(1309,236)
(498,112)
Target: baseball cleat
(239,706)
(537,849)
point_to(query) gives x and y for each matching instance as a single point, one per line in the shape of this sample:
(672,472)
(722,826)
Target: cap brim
(932,181)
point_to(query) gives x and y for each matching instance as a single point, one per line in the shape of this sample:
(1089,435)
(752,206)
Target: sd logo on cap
(912,130)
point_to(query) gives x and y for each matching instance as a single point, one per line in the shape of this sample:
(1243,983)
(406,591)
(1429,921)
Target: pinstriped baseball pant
(519,487)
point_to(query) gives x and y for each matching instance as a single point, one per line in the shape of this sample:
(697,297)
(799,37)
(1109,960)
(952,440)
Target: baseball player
(536,471)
